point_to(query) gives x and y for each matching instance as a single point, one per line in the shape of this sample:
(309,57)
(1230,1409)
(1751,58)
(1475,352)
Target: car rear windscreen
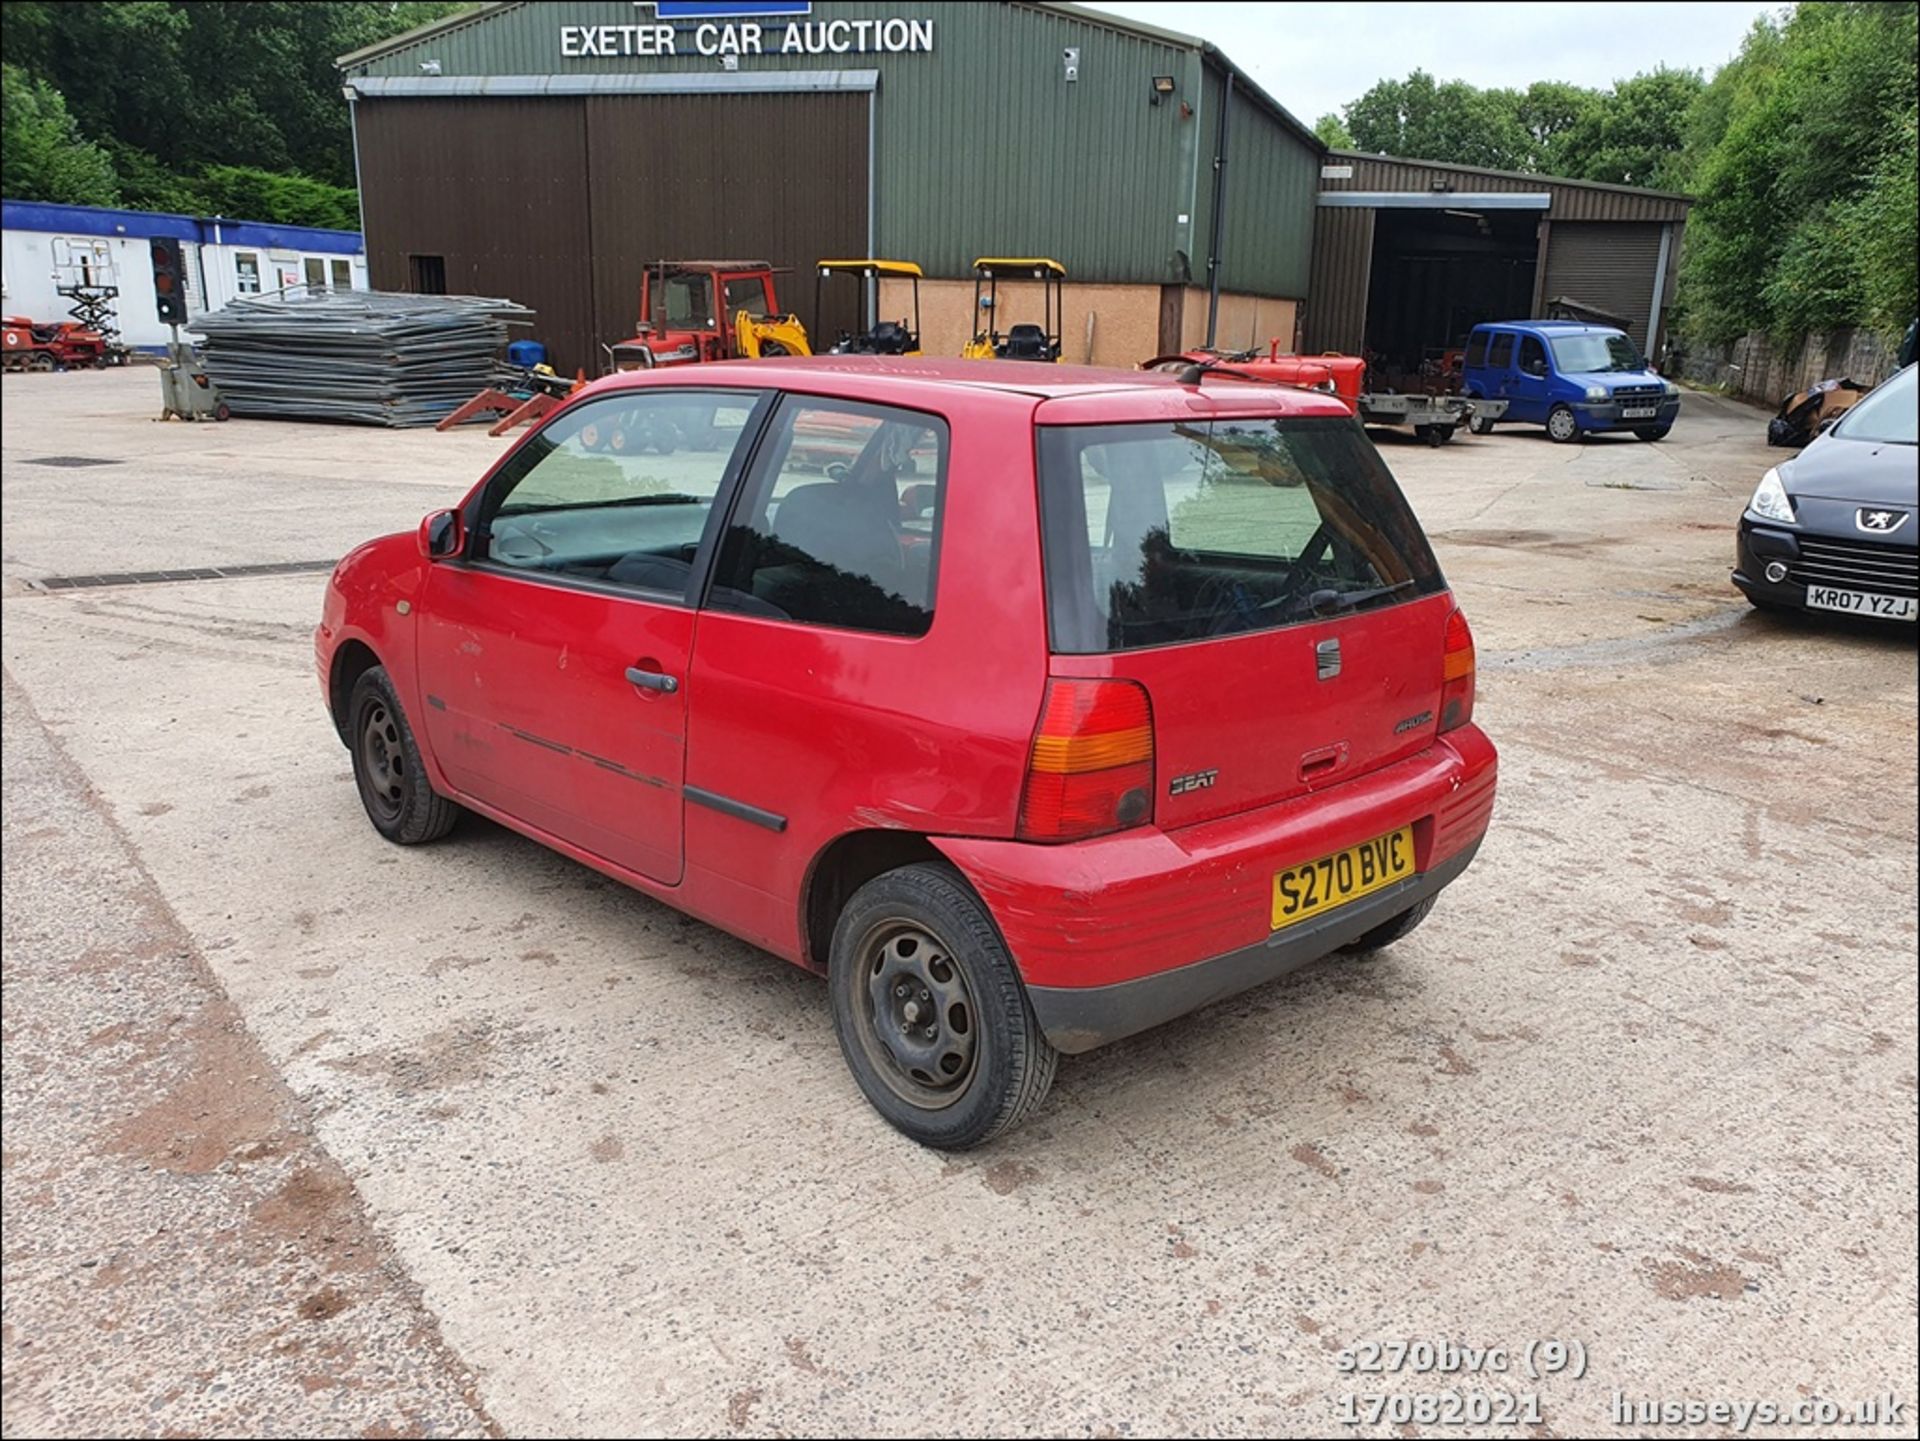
(1161,533)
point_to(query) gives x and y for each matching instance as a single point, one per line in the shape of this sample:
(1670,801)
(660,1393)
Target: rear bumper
(1079,1018)
(1165,921)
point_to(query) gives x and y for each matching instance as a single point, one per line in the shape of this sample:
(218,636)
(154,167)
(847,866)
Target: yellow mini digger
(1025,341)
(884,337)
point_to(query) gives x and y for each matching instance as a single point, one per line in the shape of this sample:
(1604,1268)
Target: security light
(1162,87)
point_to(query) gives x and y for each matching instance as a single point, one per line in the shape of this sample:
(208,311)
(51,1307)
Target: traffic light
(169,281)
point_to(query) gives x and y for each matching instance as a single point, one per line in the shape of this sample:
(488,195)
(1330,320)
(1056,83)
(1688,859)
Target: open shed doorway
(1439,272)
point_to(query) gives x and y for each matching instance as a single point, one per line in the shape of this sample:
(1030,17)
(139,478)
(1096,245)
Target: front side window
(246,272)
(1157,534)
(1604,351)
(840,523)
(1500,354)
(616,491)
(1533,355)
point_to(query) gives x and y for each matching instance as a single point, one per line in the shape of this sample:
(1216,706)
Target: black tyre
(1445,432)
(393,784)
(222,412)
(1653,432)
(1387,932)
(1480,425)
(930,1012)
(1561,424)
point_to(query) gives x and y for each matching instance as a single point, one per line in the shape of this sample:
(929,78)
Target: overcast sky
(1314,58)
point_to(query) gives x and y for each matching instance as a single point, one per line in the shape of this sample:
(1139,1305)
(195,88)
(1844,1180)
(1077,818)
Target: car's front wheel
(1561,424)
(400,801)
(931,1014)
(1653,432)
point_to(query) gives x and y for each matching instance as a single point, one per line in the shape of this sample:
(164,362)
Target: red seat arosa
(1032,705)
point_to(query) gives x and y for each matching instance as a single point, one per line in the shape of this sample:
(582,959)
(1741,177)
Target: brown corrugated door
(1336,311)
(1609,265)
(780,178)
(495,187)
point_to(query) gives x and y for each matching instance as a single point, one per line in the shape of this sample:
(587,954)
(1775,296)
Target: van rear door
(1265,580)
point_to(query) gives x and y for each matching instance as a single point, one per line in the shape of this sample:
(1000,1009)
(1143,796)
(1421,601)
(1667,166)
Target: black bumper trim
(1079,1018)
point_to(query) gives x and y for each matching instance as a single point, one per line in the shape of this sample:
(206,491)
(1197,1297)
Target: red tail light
(1456,699)
(1091,768)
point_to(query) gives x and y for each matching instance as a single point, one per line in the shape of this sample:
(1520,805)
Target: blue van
(1571,377)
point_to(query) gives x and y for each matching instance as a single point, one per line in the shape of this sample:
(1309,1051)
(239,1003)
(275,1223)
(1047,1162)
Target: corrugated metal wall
(1611,267)
(1572,200)
(783,178)
(599,187)
(982,146)
(1271,182)
(1336,313)
(445,168)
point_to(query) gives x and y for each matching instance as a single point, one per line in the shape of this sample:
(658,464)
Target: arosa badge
(1879,522)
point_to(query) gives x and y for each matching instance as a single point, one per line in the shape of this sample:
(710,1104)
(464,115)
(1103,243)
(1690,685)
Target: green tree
(1634,134)
(173,89)
(1803,158)
(1423,119)
(43,155)
(1333,132)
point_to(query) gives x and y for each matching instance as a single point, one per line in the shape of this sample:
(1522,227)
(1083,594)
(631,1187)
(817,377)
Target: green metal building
(549,149)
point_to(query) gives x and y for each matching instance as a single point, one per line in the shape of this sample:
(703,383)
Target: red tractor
(694,310)
(55,345)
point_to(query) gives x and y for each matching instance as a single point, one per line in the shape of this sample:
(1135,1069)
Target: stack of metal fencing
(363,356)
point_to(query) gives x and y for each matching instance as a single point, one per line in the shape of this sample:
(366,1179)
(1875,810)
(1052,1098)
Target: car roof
(1558,327)
(1096,392)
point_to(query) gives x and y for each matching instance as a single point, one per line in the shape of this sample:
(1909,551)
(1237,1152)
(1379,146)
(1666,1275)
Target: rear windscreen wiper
(1325,602)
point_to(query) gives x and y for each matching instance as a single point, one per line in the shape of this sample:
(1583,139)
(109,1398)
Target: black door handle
(652,680)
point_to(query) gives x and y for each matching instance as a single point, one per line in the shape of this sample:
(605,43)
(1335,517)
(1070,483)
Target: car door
(554,653)
(1532,380)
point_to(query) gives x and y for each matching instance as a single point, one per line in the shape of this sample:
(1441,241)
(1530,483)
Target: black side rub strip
(739,810)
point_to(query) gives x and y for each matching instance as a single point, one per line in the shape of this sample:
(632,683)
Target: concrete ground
(308,1133)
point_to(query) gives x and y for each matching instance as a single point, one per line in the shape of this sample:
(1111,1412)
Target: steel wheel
(383,760)
(1561,425)
(918,1022)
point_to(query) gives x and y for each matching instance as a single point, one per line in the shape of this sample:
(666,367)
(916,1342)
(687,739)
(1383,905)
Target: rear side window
(839,522)
(1477,348)
(1162,533)
(1500,354)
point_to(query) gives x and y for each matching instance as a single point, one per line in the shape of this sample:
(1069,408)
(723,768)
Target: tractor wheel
(40,360)
(222,412)
(593,436)
(619,440)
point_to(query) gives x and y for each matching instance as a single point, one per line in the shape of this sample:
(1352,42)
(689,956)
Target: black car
(1834,529)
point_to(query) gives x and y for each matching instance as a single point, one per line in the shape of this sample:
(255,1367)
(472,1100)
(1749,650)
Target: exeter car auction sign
(719,29)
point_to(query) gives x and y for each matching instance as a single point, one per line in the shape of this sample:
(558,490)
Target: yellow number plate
(1309,890)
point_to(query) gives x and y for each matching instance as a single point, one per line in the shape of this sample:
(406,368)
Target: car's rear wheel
(1480,425)
(1387,932)
(1653,432)
(930,1012)
(1561,424)
(400,801)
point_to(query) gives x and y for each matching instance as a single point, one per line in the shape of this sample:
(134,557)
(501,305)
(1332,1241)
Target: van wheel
(1387,932)
(1653,432)
(1561,425)
(401,803)
(931,1014)
(1480,425)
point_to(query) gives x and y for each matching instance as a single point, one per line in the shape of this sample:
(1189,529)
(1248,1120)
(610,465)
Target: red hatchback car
(1032,705)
